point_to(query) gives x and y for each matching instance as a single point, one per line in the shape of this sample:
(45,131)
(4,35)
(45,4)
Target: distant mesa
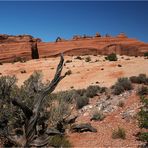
(27,47)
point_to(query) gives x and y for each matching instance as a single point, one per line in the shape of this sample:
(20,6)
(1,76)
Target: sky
(50,19)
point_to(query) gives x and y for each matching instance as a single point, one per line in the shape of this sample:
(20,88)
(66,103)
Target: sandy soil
(103,137)
(83,73)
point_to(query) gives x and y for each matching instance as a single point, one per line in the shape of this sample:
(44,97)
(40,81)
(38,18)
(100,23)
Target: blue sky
(48,20)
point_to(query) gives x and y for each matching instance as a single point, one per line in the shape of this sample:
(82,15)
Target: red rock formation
(12,47)
(20,46)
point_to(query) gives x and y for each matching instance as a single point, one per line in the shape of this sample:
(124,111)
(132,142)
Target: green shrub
(87,59)
(143,119)
(119,134)
(97,116)
(143,136)
(112,57)
(59,141)
(92,90)
(103,89)
(146,54)
(140,79)
(122,85)
(81,101)
(143,90)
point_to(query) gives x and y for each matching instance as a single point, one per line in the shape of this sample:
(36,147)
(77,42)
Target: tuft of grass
(97,116)
(119,133)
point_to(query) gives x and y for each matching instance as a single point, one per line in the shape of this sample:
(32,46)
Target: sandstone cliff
(21,46)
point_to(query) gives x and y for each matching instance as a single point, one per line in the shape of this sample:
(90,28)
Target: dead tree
(31,136)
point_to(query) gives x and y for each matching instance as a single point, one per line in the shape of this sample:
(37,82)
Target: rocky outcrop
(12,47)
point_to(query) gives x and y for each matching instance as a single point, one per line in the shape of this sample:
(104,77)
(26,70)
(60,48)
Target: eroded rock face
(21,46)
(13,47)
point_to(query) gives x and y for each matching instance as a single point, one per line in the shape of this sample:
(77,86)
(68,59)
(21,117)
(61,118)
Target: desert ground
(96,72)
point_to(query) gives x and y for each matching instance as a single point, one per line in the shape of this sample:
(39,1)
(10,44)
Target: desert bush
(81,92)
(81,101)
(92,90)
(146,54)
(19,59)
(79,58)
(140,79)
(69,72)
(59,141)
(120,133)
(8,90)
(68,61)
(103,89)
(121,104)
(58,110)
(143,90)
(122,85)
(142,114)
(143,119)
(68,95)
(97,116)
(26,104)
(87,59)
(112,57)
(143,136)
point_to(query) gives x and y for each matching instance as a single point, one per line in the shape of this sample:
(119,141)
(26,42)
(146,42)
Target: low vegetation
(143,90)
(59,141)
(119,133)
(140,79)
(122,85)
(112,57)
(87,59)
(146,54)
(143,120)
(23,107)
(97,116)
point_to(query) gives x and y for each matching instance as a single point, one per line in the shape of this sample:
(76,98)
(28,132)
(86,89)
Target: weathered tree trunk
(31,116)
